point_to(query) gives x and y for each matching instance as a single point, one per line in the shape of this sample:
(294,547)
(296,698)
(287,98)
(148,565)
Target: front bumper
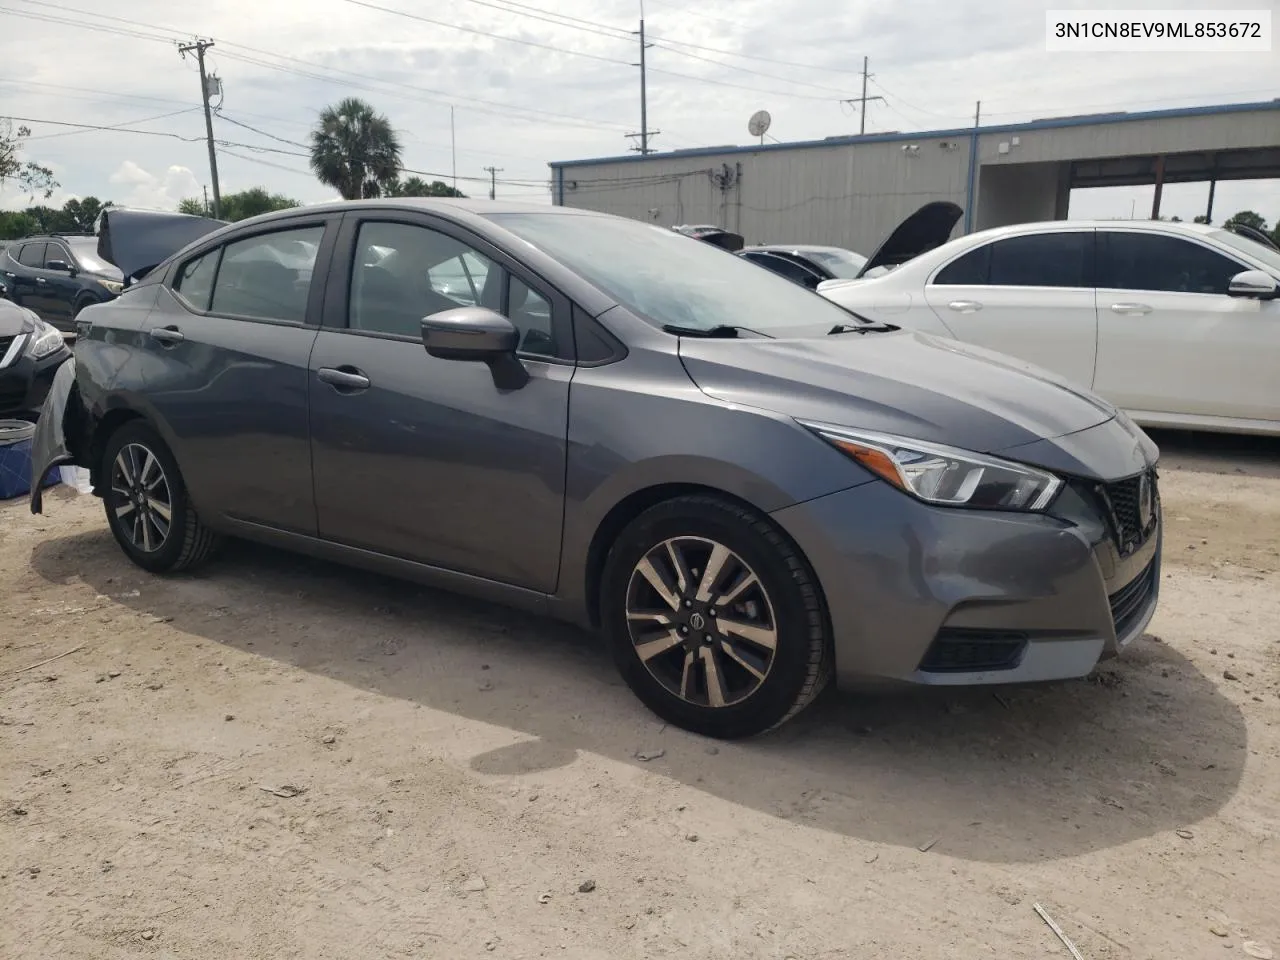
(25,382)
(943,596)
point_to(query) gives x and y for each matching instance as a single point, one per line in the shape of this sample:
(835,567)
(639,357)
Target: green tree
(417,187)
(81,216)
(240,206)
(1249,219)
(1202,219)
(29,175)
(16,224)
(355,150)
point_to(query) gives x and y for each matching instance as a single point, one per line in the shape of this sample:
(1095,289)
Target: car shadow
(1205,452)
(1015,775)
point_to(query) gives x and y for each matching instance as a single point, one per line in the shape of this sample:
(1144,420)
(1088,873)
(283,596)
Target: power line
(118,126)
(269,136)
(510,111)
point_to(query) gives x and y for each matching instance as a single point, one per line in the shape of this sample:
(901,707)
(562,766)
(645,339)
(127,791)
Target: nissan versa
(745,488)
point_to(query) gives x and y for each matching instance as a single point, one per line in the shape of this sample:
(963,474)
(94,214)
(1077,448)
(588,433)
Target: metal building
(851,191)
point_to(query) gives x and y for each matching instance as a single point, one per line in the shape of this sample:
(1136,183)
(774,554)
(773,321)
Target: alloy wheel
(144,500)
(701,621)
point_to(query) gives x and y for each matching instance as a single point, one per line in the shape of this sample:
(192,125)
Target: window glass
(1043,260)
(56,251)
(972,269)
(1147,261)
(268,276)
(404,273)
(531,314)
(669,278)
(32,255)
(195,279)
(784,267)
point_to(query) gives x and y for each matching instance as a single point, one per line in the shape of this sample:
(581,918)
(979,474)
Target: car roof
(1150,226)
(800,248)
(451,204)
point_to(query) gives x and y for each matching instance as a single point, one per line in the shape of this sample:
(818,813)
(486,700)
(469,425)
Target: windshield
(843,264)
(668,278)
(86,252)
(1251,248)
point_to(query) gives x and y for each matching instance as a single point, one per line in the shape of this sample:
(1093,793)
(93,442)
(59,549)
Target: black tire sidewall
(143,434)
(798,620)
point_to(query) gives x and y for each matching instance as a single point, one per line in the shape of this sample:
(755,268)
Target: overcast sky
(527,91)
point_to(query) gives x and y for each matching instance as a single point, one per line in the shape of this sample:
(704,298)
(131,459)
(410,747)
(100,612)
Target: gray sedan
(745,489)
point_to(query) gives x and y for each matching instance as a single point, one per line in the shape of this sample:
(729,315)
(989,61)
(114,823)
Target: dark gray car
(743,487)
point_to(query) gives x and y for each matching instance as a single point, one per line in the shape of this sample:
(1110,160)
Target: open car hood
(732,242)
(928,227)
(137,241)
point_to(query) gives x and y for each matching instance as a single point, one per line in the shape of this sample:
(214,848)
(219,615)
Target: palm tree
(355,150)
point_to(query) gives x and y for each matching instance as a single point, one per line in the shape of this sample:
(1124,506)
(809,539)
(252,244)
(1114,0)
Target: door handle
(1130,309)
(344,379)
(167,334)
(965,306)
(41,280)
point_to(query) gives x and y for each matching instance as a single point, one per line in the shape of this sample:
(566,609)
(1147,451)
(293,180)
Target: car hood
(902,382)
(15,319)
(928,227)
(137,241)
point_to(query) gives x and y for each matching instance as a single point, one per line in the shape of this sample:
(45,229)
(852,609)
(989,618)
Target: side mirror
(1255,285)
(477,335)
(60,265)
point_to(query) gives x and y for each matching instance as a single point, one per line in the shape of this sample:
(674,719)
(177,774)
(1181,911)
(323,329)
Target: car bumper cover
(944,596)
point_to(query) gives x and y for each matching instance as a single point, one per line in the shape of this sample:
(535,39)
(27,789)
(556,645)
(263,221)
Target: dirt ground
(280,758)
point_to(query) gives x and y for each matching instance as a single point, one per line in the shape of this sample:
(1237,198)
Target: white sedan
(1176,323)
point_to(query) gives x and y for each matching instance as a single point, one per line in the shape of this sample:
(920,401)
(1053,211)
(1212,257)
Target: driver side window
(403,273)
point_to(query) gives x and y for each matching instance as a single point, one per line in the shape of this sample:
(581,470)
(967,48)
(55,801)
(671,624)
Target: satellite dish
(759,123)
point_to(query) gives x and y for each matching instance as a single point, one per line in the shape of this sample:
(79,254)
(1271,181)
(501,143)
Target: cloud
(573,96)
(140,189)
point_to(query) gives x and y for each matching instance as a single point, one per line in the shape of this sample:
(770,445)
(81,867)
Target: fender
(62,431)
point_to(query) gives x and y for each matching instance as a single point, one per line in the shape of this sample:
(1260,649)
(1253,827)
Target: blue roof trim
(1048,124)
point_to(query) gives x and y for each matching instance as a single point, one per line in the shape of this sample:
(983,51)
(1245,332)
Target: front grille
(1129,601)
(1131,513)
(5,344)
(965,650)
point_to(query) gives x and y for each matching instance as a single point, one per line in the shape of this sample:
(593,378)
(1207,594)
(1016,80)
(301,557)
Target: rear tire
(147,506)
(716,621)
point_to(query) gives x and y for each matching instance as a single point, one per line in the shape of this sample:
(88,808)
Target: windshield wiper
(870,326)
(724,331)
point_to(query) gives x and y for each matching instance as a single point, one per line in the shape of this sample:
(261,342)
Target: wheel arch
(637,502)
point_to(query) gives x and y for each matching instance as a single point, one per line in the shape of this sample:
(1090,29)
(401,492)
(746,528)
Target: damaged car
(744,488)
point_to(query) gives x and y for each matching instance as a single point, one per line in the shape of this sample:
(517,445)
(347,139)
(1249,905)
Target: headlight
(944,475)
(44,341)
(115,286)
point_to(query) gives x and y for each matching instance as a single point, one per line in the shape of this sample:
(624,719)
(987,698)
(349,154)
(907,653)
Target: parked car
(806,265)
(1176,323)
(58,276)
(743,487)
(30,352)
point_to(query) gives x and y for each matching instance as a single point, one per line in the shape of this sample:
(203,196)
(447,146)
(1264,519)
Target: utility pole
(200,46)
(205,188)
(453,150)
(645,132)
(493,180)
(864,99)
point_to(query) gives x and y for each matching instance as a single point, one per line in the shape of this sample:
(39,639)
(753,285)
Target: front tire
(148,509)
(716,621)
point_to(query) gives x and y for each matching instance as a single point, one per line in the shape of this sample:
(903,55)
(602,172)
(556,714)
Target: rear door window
(194,282)
(268,276)
(32,255)
(1043,260)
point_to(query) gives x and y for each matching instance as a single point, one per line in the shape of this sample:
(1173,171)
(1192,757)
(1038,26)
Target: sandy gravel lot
(284,759)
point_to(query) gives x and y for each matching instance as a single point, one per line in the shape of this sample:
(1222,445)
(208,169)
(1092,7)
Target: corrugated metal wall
(852,194)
